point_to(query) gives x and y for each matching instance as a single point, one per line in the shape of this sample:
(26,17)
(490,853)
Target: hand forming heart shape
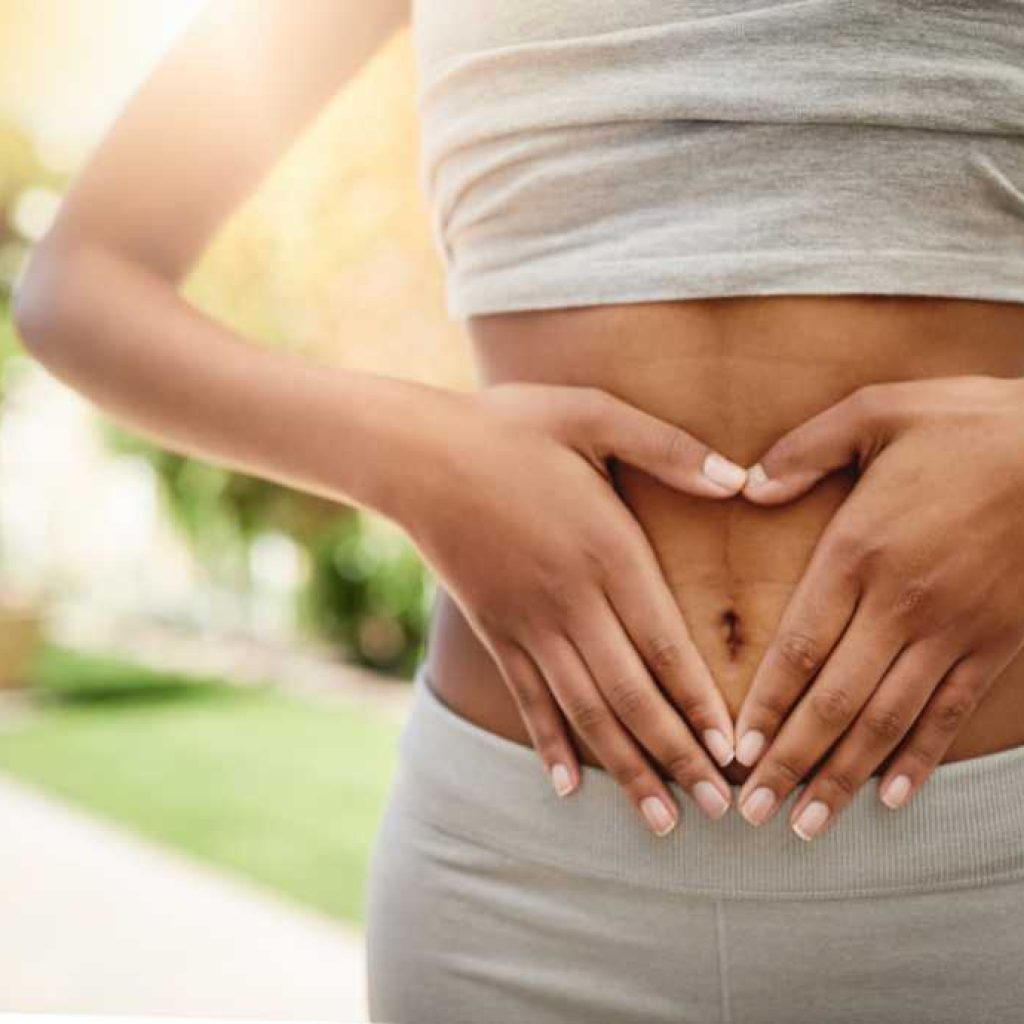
(913,601)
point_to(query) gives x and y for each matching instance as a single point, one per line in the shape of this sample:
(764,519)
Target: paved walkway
(96,920)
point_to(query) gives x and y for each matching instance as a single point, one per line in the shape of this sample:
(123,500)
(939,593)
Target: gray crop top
(577,152)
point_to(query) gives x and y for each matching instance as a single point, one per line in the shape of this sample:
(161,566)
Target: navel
(733,633)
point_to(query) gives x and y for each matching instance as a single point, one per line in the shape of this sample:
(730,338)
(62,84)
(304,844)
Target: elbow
(40,304)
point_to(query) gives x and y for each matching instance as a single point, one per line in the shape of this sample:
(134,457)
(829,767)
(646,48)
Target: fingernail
(750,746)
(756,476)
(811,820)
(658,816)
(724,473)
(720,747)
(757,808)
(561,779)
(710,800)
(896,791)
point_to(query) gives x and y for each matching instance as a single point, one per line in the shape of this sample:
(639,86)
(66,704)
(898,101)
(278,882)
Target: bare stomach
(737,373)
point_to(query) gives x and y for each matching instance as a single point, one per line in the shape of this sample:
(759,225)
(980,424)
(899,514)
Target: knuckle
(663,653)
(681,763)
(676,445)
(628,773)
(832,706)
(851,547)
(790,770)
(922,753)
(841,780)
(628,698)
(545,737)
(800,652)
(594,406)
(587,715)
(868,402)
(526,697)
(563,599)
(612,555)
(884,725)
(693,706)
(953,711)
(912,598)
(771,707)
(594,555)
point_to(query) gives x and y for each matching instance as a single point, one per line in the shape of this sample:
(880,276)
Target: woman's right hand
(514,508)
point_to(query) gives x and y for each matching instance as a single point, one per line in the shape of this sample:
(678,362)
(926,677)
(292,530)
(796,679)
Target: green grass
(284,792)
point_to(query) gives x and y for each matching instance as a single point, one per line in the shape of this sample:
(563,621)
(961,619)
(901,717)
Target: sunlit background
(202,675)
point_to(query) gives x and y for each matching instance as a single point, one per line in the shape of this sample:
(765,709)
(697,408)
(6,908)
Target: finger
(815,617)
(666,451)
(635,699)
(885,720)
(589,713)
(541,715)
(832,702)
(844,433)
(944,716)
(643,603)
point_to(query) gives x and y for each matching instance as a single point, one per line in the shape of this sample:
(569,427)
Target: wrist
(402,434)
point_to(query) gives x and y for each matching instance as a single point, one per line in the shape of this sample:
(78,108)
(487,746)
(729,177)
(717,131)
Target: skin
(735,568)
(602,598)
(911,607)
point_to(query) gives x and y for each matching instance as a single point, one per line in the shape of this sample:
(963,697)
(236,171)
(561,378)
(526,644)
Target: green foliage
(60,675)
(9,345)
(370,591)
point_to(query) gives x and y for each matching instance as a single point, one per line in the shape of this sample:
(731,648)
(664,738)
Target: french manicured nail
(811,820)
(724,473)
(561,779)
(710,800)
(896,791)
(658,816)
(757,808)
(720,747)
(750,747)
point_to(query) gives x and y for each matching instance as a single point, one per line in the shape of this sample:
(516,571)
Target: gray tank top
(578,152)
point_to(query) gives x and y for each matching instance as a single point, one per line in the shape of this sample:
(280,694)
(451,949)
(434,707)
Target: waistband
(964,828)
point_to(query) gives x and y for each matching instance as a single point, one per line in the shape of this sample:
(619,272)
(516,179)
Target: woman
(733,521)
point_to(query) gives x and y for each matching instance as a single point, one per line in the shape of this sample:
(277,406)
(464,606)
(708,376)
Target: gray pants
(493,901)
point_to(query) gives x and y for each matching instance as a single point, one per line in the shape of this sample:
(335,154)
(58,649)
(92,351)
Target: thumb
(845,433)
(667,452)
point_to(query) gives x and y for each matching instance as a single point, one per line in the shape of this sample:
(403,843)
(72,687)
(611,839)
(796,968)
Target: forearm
(123,337)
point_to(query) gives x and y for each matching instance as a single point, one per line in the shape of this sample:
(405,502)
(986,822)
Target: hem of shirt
(766,272)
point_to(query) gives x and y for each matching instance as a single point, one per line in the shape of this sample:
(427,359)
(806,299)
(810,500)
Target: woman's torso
(736,372)
(653,181)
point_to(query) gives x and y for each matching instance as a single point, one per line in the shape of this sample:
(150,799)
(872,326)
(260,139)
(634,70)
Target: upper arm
(225,101)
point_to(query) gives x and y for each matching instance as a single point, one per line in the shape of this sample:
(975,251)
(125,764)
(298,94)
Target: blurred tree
(368,590)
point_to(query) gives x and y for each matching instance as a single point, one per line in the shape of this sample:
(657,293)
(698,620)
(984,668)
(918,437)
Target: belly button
(733,634)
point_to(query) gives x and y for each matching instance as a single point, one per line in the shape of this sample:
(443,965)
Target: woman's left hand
(913,601)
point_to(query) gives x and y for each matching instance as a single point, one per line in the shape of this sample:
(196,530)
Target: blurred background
(202,675)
